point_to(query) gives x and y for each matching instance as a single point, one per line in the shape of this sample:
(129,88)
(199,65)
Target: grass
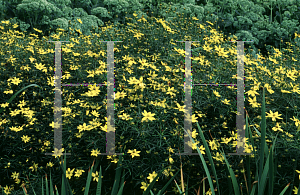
(149,77)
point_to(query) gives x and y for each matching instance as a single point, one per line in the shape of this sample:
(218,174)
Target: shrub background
(267,22)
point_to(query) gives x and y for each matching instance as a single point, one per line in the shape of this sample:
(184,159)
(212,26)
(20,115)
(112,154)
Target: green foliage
(264,22)
(2,9)
(116,190)
(158,42)
(101,11)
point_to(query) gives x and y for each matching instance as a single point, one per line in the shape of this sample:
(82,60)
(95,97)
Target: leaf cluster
(267,23)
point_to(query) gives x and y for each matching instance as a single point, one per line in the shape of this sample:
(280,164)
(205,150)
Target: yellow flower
(55,36)
(226,140)
(268,87)
(138,35)
(15,175)
(78,173)
(297,122)
(152,176)
(194,134)
(4,105)
(50,164)
(125,116)
(25,138)
(194,118)
(291,75)
(6,188)
(220,51)
(69,173)
(79,20)
(252,93)
(78,30)
(285,91)
(224,125)
(208,192)
(171,160)
(298,172)
(277,127)
(207,48)
(5,22)
(21,103)
(95,176)
(15,80)
(134,152)
(295,190)
(9,92)
(39,66)
(248,148)
(219,157)
(16,129)
(273,115)
(180,108)
(37,30)
(171,150)
(226,101)
(83,127)
(213,144)
(144,186)
(95,152)
(216,93)
(202,149)
(147,115)
(58,153)
(253,102)
(34,167)
(11,59)
(47,143)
